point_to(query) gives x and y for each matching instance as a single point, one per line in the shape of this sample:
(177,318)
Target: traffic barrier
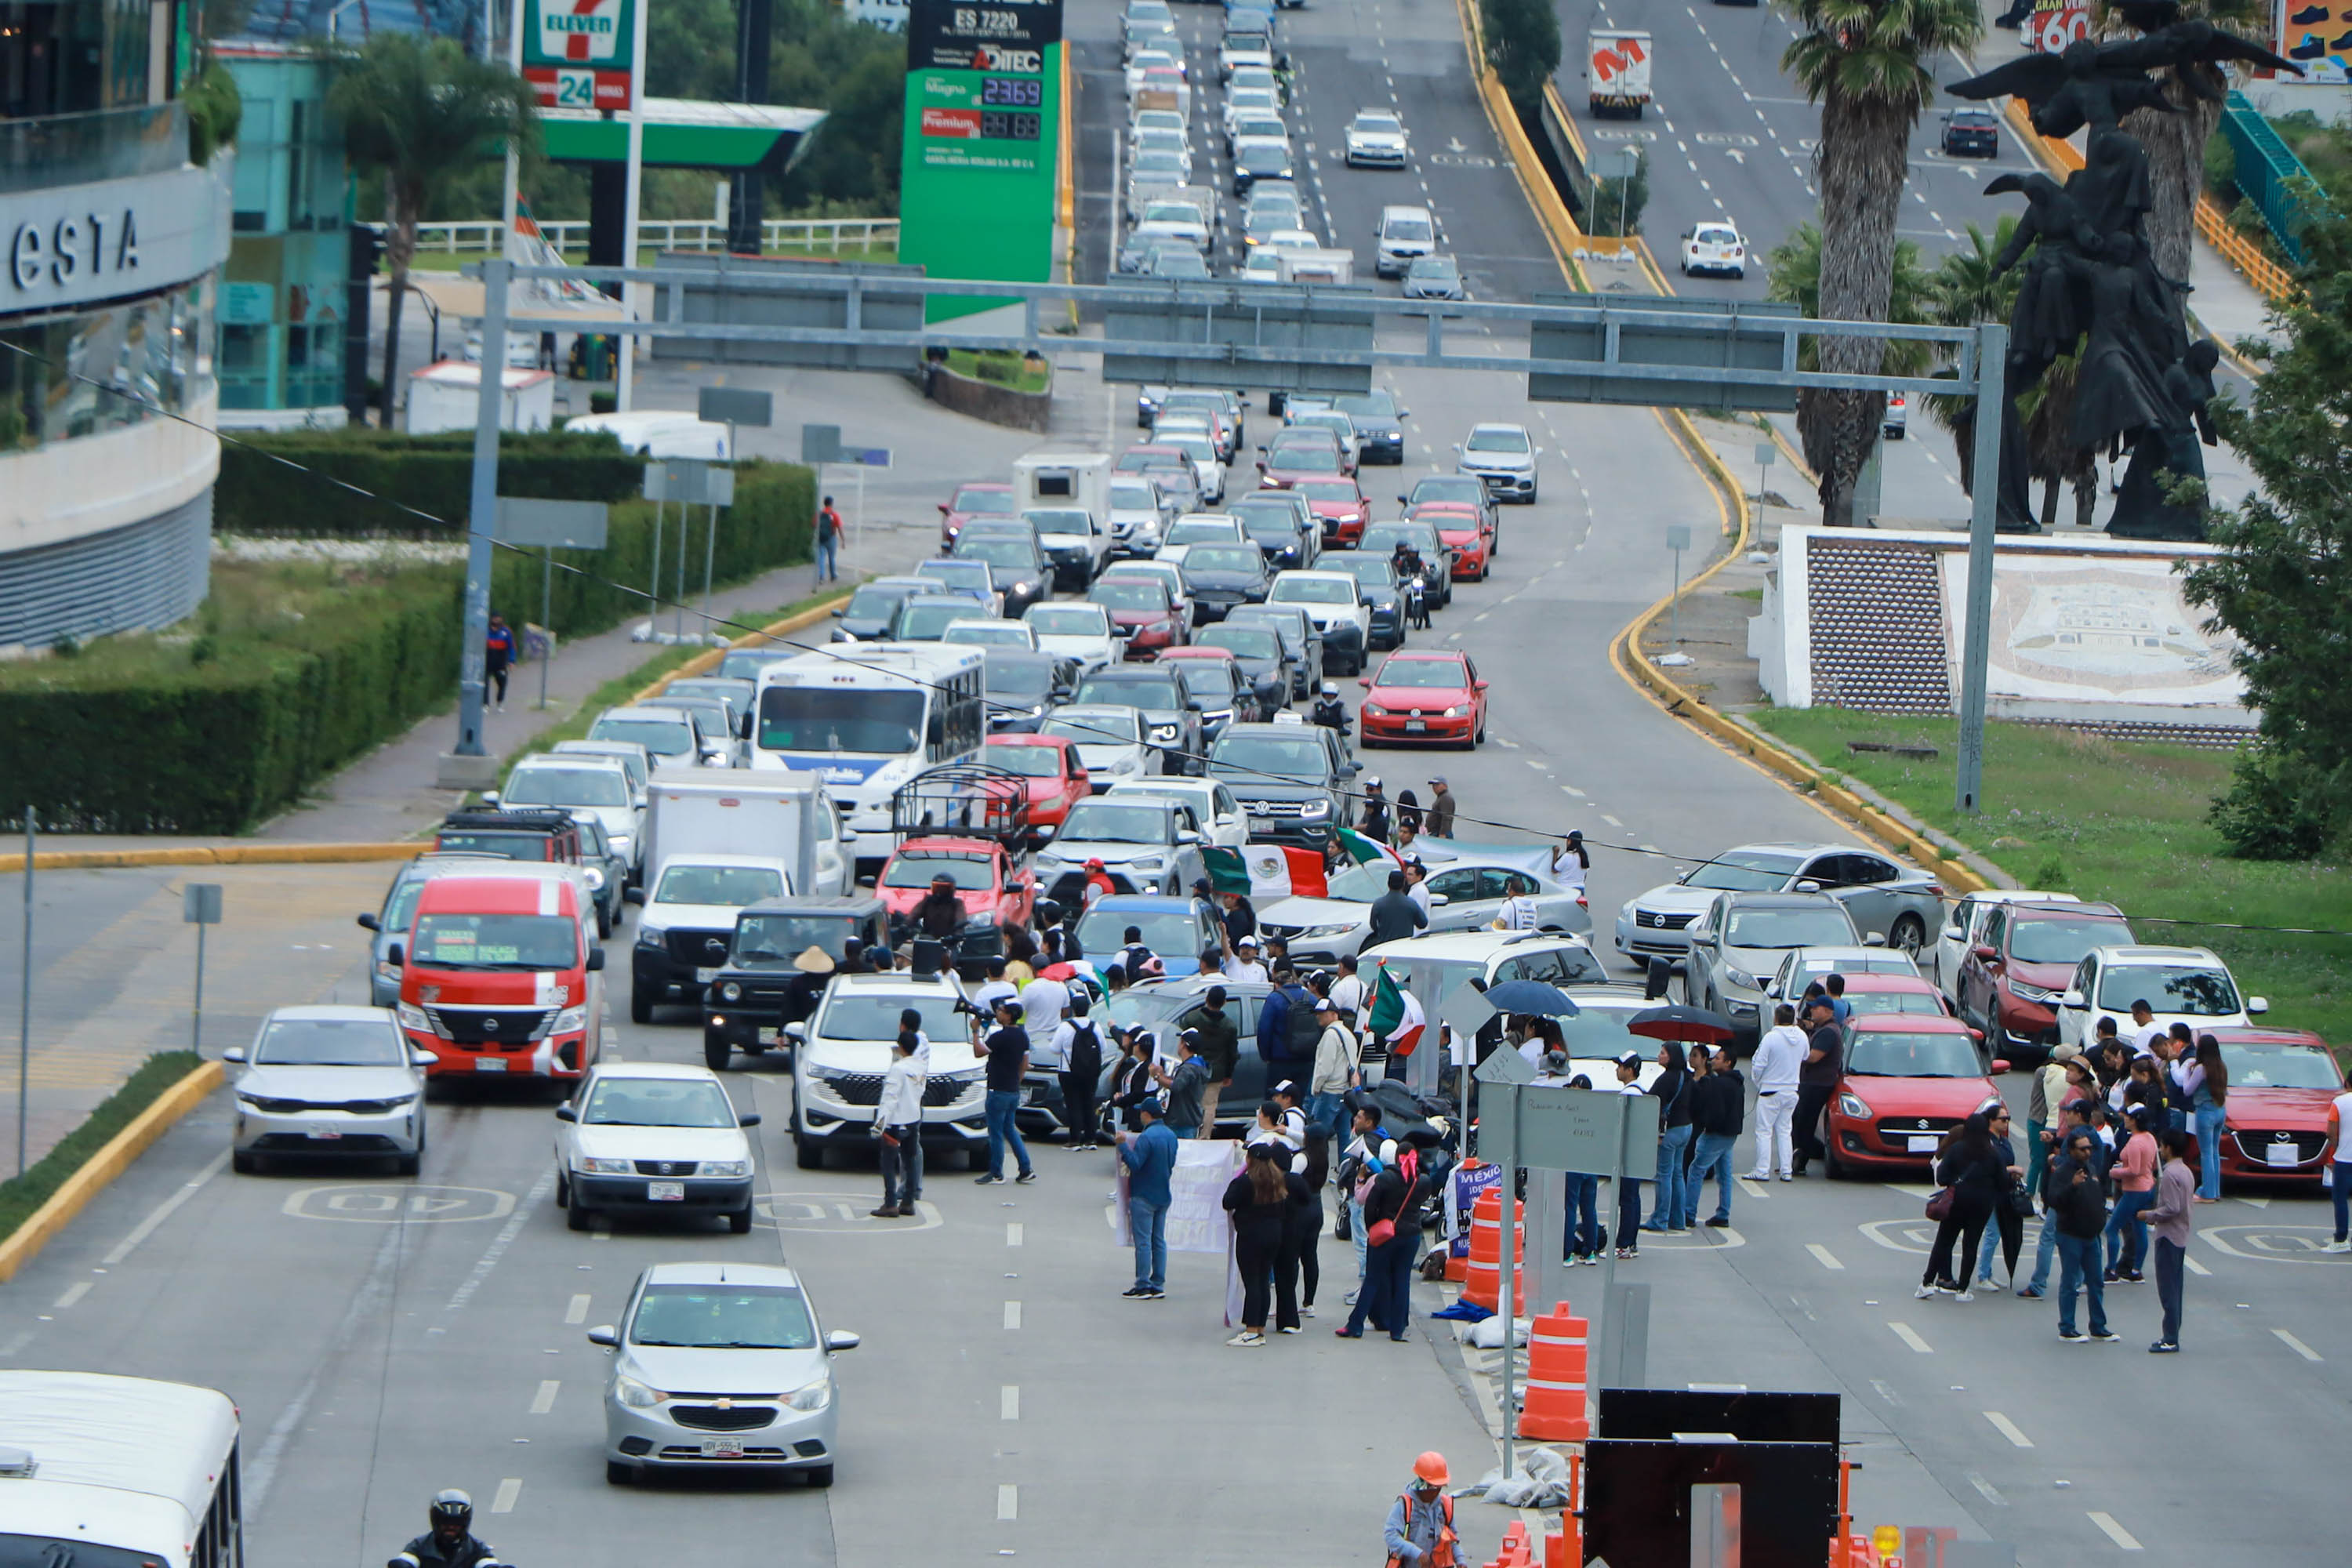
(1482,1275)
(1557,1349)
(1518,1551)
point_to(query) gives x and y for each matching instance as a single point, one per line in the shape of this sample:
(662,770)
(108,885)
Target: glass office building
(111,248)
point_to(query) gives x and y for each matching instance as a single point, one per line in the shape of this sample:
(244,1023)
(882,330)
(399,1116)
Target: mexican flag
(1396,1015)
(1265,871)
(1366,851)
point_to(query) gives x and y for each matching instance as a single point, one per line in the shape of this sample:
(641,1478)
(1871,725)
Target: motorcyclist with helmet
(1407,564)
(450,1543)
(1330,712)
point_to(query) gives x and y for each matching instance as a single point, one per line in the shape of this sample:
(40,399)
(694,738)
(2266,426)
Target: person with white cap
(1372,812)
(1241,962)
(1336,1068)
(1440,821)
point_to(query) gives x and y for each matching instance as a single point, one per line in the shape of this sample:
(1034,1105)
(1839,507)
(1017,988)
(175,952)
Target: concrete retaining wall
(987,400)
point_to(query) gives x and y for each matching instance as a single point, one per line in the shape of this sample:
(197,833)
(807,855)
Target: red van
(500,976)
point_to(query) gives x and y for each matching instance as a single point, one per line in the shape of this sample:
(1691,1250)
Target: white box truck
(787,816)
(1060,485)
(1619,69)
(1314,265)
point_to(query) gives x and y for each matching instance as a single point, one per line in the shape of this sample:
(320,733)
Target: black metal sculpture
(2091,285)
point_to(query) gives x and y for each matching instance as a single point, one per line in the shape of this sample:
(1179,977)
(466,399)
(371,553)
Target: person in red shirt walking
(829,542)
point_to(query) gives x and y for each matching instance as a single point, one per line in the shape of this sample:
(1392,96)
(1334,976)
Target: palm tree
(2176,141)
(1962,291)
(1864,61)
(423,112)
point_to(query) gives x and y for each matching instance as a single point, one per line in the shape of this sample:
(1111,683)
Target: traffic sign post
(1766,456)
(200,906)
(551,525)
(1678,538)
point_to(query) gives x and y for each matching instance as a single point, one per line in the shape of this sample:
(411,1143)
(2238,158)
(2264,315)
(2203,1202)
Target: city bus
(869,718)
(116,1472)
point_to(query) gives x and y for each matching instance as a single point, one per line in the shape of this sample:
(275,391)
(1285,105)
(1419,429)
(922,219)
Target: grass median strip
(21,1197)
(2125,822)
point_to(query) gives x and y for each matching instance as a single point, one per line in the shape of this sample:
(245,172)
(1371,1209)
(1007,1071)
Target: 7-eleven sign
(578,32)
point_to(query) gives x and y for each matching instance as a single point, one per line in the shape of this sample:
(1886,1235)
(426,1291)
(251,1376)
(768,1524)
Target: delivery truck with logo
(1619,65)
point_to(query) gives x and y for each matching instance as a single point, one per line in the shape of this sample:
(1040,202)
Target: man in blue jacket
(1150,1160)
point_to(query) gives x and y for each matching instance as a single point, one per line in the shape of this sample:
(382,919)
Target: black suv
(1292,780)
(758,991)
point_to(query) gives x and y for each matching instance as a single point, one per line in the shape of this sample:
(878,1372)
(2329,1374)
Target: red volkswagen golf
(1415,698)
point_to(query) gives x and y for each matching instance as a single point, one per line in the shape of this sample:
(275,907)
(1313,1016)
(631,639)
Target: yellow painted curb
(708,659)
(259,852)
(1552,213)
(96,1174)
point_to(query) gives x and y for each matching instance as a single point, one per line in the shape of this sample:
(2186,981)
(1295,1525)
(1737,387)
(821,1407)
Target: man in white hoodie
(1779,1055)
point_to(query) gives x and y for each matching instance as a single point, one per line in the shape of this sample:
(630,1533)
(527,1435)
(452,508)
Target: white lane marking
(164,1211)
(1008,1402)
(1825,1257)
(77,1292)
(1986,1488)
(1885,1390)
(503,1240)
(2196,1267)
(1011,1314)
(1910,1336)
(1540,767)
(2288,1340)
(1011,1232)
(1008,1502)
(1611,820)
(2116,1533)
(578,1311)
(544,1400)
(362,1308)
(509,1489)
(1753,1189)
(2007,1428)
(1574,790)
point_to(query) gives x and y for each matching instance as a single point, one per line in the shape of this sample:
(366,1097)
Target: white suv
(1405,233)
(840,1054)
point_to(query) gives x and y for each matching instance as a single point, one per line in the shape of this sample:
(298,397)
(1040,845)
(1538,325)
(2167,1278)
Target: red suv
(2010,981)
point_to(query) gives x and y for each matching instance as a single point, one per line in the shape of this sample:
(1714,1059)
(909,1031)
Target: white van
(1405,234)
(657,433)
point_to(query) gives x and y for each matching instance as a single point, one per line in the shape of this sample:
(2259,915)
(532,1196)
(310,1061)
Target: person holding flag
(1397,1017)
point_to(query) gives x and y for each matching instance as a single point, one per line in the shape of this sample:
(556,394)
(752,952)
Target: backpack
(1085,1052)
(1301,1032)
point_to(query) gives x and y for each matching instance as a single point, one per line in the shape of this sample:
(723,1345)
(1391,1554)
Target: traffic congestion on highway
(1062,982)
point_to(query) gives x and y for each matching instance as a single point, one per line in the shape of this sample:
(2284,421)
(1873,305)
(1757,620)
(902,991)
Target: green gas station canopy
(683,133)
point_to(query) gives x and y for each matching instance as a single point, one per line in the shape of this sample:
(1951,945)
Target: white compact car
(1375,138)
(2188,985)
(654,1137)
(1716,248)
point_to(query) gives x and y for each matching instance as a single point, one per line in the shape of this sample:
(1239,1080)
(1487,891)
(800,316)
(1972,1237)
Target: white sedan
(1376,137)
(1075,630)
(1714,248)
(651,1138)
(1221,816)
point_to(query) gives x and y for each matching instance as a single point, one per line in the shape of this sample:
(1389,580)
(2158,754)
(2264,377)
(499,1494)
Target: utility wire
(848,655)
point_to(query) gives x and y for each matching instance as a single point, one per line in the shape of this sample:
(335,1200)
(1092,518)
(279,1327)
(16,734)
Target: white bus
(116,1472)
(869,718)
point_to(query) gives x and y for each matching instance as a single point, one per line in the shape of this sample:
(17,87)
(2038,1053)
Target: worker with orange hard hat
(1420,1530)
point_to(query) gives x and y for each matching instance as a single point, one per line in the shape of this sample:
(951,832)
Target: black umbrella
(1677,1022)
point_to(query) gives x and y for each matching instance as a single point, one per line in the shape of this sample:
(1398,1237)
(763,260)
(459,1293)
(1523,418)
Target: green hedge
(257,494)
(216,733)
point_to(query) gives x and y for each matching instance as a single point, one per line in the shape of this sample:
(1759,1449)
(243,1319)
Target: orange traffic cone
(1557,1351)
(1481,1283)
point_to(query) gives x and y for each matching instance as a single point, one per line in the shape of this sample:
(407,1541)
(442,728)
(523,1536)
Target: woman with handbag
(1392,1237)
(1976,1169)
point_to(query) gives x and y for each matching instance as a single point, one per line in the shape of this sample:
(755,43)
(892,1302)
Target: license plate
(722,1447)
(1925,1142)
(664,1192)
(1262,824)
(705,976)
(322,1132)
(767,1034)
(2280,1155)
(1414,724)
(490,1063)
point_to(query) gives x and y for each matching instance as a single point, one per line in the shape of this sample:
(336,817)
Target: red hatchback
(1339,505)
(1058,779)
(2281,1083)
(1468,529)
(1908,1081)
(1291,462)
(1417,698)
(995,889)
(975,501)
(1140,613)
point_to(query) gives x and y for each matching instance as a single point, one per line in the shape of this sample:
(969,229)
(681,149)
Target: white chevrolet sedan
(654,1137)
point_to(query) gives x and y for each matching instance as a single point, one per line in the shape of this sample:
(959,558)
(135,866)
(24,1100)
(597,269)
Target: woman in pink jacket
(2133,1173)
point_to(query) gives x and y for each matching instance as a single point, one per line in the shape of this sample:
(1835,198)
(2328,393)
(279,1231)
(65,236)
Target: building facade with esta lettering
(112,241)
